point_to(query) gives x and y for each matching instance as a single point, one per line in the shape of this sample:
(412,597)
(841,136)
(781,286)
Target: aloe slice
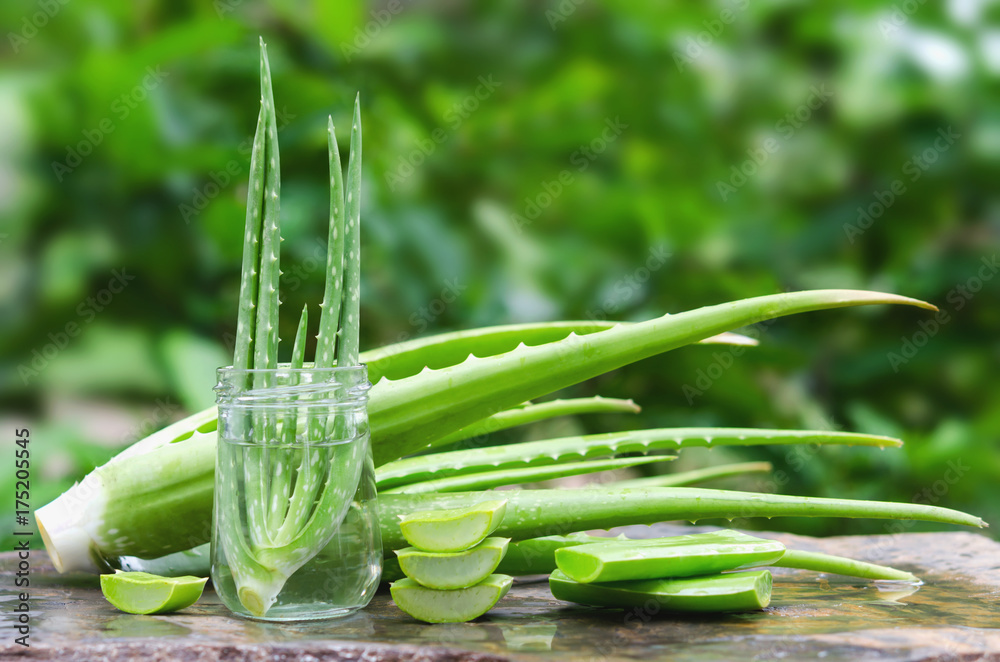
(737,591)
(450,570)
(143,593)
(453,529)
(457,606)
(676,556)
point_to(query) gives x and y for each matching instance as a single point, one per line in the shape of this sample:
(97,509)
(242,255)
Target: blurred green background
(523,161)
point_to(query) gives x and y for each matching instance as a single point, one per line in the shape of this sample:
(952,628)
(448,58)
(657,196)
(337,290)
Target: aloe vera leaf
(454,606)
(564,449)
(488,479)
(326,337)
(451,529)
(839,565)
(450,570)
(246,322)
(408,358)
(697,475)
(411,413)
(675,556)
(348,348)
(737,591)
(256,479)
(531,513)
(143,593)
(329,320)
(281,477)
(532,412)
(343,471)
(195,561)
(313,465)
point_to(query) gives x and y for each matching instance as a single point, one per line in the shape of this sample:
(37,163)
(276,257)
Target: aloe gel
(457,606)
(452,529)
(451,570)
(143,593)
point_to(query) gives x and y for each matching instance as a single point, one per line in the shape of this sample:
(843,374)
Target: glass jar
(295,532)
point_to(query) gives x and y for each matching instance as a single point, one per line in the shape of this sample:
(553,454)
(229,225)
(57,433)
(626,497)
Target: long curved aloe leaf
(533,412)
(565,449)
(413,412)
(531,513)
(488,479)
(408,358)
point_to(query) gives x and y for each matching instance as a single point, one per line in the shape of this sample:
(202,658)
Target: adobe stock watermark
(913,169)
(32,23)
(454,117)
(563,10)
(86,312)
(899,16)
(722,361)
(364,35)
(959,297)
(627,287)
(581,159)
(695,47)
(221,179)
(161,414)
(786,127)
(121,108)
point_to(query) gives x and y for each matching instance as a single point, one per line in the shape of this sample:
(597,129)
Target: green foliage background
(511,206)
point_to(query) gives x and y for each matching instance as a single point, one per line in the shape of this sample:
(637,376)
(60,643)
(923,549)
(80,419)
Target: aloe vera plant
(156,497)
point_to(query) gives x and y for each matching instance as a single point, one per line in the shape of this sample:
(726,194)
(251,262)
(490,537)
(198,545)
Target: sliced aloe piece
(450,570)
(453,529)
(464,604)
(143,593)
(676,556)
(737,591)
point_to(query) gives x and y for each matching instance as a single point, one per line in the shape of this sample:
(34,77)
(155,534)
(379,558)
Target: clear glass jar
(295,531)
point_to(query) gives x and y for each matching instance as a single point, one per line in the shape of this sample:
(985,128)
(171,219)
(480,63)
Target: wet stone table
(955,615)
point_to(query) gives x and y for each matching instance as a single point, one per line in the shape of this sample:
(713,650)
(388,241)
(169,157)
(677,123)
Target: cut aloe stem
(143,593)
(450,570)
(488,479)
(737,591)
(454,529)
(695,476)
(455,606)
(676,556)
(838,565)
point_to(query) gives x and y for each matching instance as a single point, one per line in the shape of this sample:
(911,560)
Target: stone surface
(955,615)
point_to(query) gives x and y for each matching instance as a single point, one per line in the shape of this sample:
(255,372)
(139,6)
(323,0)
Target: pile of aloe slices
(449,567)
